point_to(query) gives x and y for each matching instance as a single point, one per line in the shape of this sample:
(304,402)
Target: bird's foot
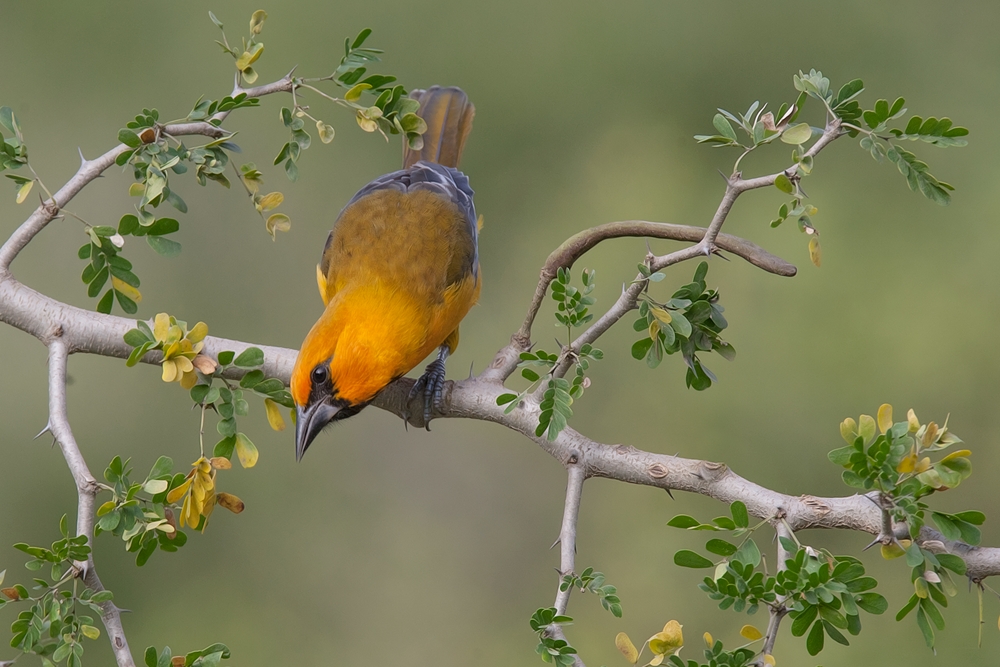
(431,385)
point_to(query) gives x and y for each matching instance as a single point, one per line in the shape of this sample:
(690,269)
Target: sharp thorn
(558,539)
(724,177)
(471,366)
(719,254)
(872,543)
(48,427)
(670,494)
(83,160)
(291,72)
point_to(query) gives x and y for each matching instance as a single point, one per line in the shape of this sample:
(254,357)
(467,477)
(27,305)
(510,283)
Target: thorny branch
(87,489)
(54,320)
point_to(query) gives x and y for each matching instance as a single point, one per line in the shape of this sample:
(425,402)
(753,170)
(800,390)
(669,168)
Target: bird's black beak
(310,420)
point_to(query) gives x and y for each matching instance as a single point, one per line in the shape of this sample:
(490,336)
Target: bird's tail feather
(448,114)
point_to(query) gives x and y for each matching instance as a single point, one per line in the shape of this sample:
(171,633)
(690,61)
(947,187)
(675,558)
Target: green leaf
(129,138)
(740,516)
(873,603)
(724,127)
(226,357)
(250,357)
(797,135)
(165,247)
(683,521)
(925,627)
(720,547)
(687,558)
(748,554)
(814,642)
(783,183)
(106,303)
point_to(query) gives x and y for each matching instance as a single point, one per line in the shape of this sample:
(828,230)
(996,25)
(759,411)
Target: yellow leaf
(106,507)
(126,289)
(769,660)
(277,222)
(326,132)
(709,642)
(249,57)
(354,94)
(249,75)
(161,324)
(930,435)
(270,201)
(184,364)
(908,463)
(366,124)
(23,191)
(922,465)
(189,379)
(657,659)
(654,330)
(179,492)
(198,332)
(274,415)
(230,502)
(849,430)
(136,189)
(958,454)
(257,21)
(627,648)
(667,641)
(751,633)
(246,451)
(90,632)
(169,371)
(661,314)
(815,252)
(920,587)
(911,417)
(890,551)
(884,417)
(866,427)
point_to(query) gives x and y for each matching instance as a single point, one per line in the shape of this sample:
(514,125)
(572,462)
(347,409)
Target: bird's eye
(320,375)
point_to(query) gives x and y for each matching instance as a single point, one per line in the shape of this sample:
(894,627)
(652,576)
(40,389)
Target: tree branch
(576,475)
(91,169)
(87,489)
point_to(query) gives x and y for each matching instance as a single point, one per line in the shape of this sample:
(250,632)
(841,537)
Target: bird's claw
(431,384)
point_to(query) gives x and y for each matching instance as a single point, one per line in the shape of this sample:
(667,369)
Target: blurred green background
(433,548)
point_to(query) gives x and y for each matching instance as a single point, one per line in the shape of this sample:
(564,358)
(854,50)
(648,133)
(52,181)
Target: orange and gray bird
(399,271)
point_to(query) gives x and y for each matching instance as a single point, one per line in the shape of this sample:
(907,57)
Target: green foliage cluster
(13,152)
(590,581)
(137,511)
(717,656)
(691,321)
(104,252)
(551,650)
(813,586)
(560,393)
(210,656)
(897,463)
(56,622)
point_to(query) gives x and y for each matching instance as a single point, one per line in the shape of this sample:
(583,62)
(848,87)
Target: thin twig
(576,475)
(87,489)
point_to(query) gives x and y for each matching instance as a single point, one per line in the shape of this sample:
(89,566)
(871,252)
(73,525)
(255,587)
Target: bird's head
(339,370)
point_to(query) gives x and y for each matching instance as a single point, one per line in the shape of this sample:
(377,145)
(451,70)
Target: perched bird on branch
(399,272)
